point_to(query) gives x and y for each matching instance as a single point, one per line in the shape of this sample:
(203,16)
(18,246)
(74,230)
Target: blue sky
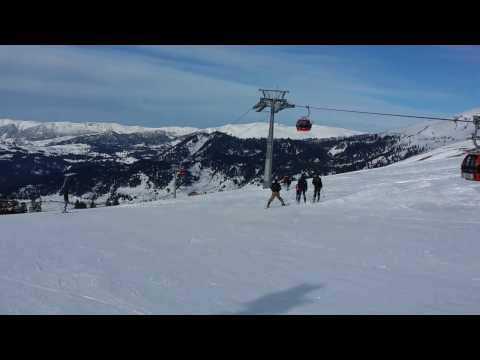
(205,86)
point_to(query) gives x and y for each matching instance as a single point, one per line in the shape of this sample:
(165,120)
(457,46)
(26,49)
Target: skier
(301,188)
(287,181)
(64,190)
(317,185)
(275,187)
(65,199)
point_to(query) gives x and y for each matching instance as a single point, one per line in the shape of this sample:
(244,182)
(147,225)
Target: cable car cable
(242,116)
(384,114)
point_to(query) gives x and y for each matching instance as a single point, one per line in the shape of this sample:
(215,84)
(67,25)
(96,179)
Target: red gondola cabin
(471,167)
(304,124)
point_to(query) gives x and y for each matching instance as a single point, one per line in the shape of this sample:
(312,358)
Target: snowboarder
(302,188)
(317,185)
(275,187)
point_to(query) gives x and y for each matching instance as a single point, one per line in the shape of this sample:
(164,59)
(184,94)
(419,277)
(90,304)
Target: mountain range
(134,163)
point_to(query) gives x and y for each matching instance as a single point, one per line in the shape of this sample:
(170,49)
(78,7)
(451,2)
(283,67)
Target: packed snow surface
(401,239)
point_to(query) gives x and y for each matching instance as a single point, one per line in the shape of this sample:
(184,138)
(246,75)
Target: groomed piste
(401,239)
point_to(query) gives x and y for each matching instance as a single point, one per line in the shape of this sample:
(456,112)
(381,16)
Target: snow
(402,239)
(442,132)
(435,133)
(141,192)
(252,130)
(65,128)
(75,161)
(20,124)
(73,149)
(124,158)
(128,160)
(196,143)
(50,142)
(178,131)
(209,181)
(260,130)
(439,129)
(335,150)
(69,149)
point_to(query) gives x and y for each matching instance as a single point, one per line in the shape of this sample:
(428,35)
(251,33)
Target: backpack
(275,187)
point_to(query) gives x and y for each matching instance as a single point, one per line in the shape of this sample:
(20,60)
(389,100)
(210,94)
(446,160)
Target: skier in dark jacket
(302,188)
(65,199)
(275,187)
(317,185)
(64,190)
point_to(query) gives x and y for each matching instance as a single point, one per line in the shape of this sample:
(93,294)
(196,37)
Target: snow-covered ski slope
(401,239)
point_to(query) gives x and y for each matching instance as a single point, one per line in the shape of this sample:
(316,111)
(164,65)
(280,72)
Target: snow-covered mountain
(440,132)
(260,130)
(111,163)
(401,239)
(32,130)
(214,161)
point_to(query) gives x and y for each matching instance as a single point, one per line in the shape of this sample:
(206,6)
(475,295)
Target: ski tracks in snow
(120,307)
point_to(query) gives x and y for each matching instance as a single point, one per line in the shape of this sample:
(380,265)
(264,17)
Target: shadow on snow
(280,302)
